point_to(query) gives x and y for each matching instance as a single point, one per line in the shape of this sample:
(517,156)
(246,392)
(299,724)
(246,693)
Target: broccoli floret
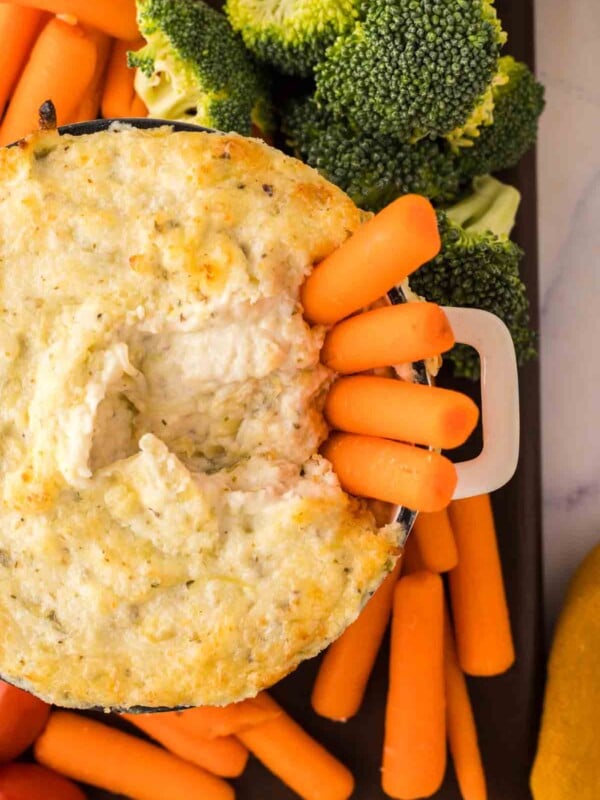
(478,267)
(482,115)
(195,68)
(291,35)
(518,104)
(412,68)
(372,169)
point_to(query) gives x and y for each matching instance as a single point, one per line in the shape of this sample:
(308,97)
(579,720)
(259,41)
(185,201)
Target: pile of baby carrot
(73,52)
(431,651)
(382,426)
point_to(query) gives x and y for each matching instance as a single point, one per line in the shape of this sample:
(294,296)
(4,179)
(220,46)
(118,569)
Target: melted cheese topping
(168,535)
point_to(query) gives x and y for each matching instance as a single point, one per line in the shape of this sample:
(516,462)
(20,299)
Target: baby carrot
(378,256)
(397,473)
(395,409)
(209,722)
(387,336)
(297,759)
(414,751)
(347,664)
(460,724)
(411,557)
(91,752)
(22,717)
(90,105)
(20,781)
(60,68)
(115,17)
(138,108)
(224,756)
(119,96)
(481,620)
(434,538)
(19,28)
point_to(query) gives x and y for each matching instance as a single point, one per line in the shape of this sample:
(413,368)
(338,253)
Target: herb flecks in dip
(168,535)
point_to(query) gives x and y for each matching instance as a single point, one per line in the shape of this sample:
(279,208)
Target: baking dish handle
(497,462)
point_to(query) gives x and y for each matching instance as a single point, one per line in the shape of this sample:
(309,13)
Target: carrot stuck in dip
(22,717)
(479,608)
(381,253)
(407,412)
(93,753)
(414,751)
(346,667)
(297,759)
(391,471)
(386,337)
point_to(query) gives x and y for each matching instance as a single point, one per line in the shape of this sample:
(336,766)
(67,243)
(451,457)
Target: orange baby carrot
(395,409)
(60,68)
(224,756)
(414,751)
(138,108)
(119,96)
(434,538)
(411,557)
(22,717)
(297,759)
(460,724)
(387,336)
(346,667)
(91,752)
(391,471)
(19,781)
(209,722)
(115,17)
(19,28)
(90,106)
(481,620)
(378,256)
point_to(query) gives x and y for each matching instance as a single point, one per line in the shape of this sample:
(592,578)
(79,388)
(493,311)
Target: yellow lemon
(567,764)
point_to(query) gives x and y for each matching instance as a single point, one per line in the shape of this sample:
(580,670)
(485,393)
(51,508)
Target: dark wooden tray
(507,707)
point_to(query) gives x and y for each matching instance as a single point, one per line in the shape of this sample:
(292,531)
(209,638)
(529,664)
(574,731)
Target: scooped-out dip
(169,534)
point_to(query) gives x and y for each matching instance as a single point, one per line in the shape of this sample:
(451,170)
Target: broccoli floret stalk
(478,267)
(490,208)
(195,68)
(373,169)
(412,68)
(291,35)
(518,101)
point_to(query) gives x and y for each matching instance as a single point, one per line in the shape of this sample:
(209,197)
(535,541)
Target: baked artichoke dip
(168,533)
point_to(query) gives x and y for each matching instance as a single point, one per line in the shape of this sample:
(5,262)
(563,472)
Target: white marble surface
(568,62)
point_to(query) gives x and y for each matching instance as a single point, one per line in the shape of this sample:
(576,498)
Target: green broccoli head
(372,169)
(291,35)
(412,68)
(195,68)
(478,267)
(518,104)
